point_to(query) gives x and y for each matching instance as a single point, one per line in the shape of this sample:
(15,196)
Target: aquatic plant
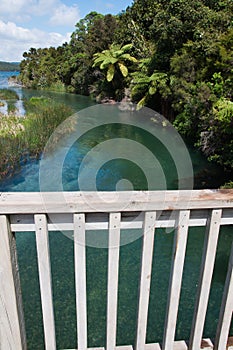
(24,137)
(6,94)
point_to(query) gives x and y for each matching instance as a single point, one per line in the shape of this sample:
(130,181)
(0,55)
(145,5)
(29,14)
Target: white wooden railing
(114,211)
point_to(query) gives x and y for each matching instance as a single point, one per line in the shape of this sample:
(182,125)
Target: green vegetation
(6,95)
(228,185)
(70,65)
(9,66)
(25,137)
(174,56)
(113,59)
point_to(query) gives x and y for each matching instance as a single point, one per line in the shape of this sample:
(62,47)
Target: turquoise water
(4,78)
(109,174)
(17,103)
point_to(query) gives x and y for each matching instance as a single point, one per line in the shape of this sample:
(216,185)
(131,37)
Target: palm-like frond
(107,59)
(123,69)
(110,72)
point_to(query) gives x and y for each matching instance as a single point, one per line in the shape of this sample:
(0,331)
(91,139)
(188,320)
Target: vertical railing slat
(146,268)
(207,266)
(12,329)
(80,279)
(226,309)
(113,271)
(43,255)
(178,257)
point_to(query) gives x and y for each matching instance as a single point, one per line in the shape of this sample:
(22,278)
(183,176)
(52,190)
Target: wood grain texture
(178,256)
(12,329)
(86,202)
(113,271)
(207,267)
(80,279)
(43,255)
(226,309)
(145,281)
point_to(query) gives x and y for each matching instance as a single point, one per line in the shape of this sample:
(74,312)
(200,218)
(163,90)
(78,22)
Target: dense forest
(174,56)
(9,66)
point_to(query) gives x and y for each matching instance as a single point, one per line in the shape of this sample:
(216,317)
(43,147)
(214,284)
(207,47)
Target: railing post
(12,328)
(145,281)
(178,256)
(80,279)
(43,255)
(207,267)
(113,271)
(226,309)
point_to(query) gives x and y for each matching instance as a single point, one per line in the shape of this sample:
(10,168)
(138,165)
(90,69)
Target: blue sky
(43,23)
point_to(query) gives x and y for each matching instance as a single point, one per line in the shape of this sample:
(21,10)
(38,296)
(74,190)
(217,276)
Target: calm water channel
(108,176)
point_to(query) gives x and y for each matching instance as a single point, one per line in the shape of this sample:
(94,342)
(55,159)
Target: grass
(11,108)
(25,137)
(6,94)
(8,97)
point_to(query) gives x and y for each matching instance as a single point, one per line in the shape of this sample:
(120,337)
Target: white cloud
(33,7)
(15,40)
(65,16)
(13,6)
(17,10)
(43,7)
(17,16)
(24,10)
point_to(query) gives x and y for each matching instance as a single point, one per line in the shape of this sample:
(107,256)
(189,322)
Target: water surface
(108,176)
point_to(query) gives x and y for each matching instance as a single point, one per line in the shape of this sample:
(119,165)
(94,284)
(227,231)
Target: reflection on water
(14,106)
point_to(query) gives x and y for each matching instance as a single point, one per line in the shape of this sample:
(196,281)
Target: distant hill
(9,66)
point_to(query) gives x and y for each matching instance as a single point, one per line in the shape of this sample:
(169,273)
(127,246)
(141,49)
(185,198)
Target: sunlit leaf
(152,90)
(123,69)
(110,73)
(142,102)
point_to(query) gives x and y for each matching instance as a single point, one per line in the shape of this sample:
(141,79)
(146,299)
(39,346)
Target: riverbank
(171,62)
(206,174)
(24,138)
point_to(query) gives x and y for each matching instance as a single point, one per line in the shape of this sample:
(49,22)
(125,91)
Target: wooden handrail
(89,202)
(113,211)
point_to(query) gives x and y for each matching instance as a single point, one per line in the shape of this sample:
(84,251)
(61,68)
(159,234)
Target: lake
(114,148)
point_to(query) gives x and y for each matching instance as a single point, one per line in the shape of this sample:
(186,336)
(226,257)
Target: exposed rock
(108,100)
(14,81)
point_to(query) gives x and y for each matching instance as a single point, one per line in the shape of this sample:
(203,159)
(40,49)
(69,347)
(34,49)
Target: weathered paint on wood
(74,211)
(99,221)
(43,255)
(146,267)
(178,256)
(80,279)
(226,309)
(12,330)
(207,266)
(84,202)
(113,270)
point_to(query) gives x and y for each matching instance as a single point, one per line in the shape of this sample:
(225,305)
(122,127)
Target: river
(117,166)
